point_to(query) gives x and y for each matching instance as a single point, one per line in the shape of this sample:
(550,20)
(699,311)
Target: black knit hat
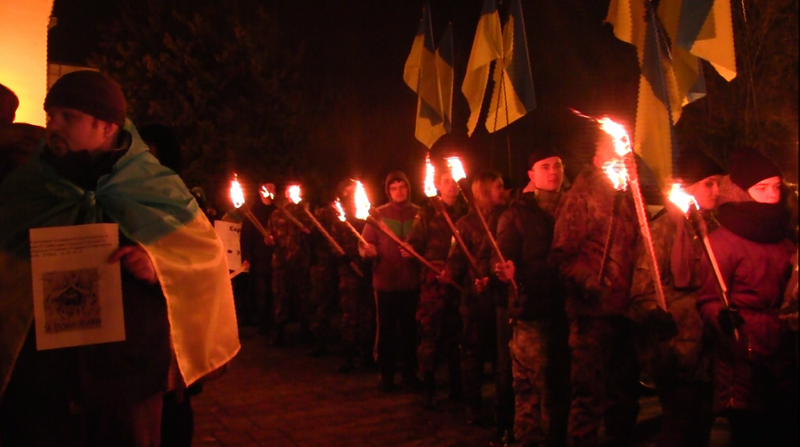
(694,165)
(542,153)
(394,177)
(90,92)
(749,167)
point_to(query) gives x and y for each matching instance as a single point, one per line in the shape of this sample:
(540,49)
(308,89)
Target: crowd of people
(551,286)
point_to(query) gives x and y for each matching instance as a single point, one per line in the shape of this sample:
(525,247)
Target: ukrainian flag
(670,42)
(486,48)
(152,207)
(444,71)
(513,94)
(420,75)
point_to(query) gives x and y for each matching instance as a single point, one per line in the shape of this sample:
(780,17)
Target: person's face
(447,187)
(498,192)
(766,191)
(604,150)
(547,174)
(398,192)
(706,192)
(69,130)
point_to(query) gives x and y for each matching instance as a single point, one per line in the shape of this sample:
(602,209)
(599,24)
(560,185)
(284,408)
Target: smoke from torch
(237,195)
(430,189)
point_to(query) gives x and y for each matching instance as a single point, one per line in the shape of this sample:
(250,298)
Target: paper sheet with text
(77,294)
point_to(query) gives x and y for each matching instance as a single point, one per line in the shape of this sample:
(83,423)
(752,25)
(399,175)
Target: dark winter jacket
(431,235)
(254,250)
(524,234)
(582,224)
(756,275)
(391,271)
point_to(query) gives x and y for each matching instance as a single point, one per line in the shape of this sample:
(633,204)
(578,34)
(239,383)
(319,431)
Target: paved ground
(281,397)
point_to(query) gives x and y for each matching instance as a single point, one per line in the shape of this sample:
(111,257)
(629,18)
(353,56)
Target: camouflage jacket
(678,253)
(322,252)
(473,234)
(430,235)
(579,239)
(291,244)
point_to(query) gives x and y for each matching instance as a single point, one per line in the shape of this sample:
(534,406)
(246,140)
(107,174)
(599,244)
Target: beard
(57,145)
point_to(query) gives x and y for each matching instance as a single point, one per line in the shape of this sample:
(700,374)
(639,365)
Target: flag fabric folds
(486,48)
(670,42)
(444,72)
(421,76)
(513,94)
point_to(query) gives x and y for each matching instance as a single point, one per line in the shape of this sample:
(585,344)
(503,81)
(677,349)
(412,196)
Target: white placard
(230,233)
(77,294)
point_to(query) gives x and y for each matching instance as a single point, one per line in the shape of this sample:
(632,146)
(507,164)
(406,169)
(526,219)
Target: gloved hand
(661,323)
(729,320)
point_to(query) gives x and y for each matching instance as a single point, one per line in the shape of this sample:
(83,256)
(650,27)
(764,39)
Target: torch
(440,207)
(457,169)
(616,172)
(295,195)
(237,197)
(340,211)
(691,209)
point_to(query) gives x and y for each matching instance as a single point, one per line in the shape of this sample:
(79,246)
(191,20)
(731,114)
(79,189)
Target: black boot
(429,393)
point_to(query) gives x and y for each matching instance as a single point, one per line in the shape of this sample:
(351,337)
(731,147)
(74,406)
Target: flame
(295,194)
(237,195)
(339,210)
(456,168)
(616,172)
(362,202)
(681,198)
(430,189)
(265,193)
(622,142)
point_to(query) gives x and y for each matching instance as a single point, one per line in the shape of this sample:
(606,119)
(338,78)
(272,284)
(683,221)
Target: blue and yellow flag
(513,94)
(420,75)
(444,72)
(152,207)
(486,48)
(670,42)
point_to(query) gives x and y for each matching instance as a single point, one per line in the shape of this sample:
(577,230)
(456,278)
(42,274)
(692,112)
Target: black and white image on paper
(72,300)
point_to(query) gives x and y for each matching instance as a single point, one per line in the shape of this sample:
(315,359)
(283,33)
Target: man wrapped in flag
(179,317)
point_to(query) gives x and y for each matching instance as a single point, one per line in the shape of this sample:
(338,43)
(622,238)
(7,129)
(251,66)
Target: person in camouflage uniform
(355,293)
(678,351)
(539,349)
(477,308)
(605,372)
(437,313)
(324,280)
(290,267)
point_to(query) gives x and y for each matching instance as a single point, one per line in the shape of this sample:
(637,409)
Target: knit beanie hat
(90,92)
(540,154)
(394,177)
(694,165)
(749,167)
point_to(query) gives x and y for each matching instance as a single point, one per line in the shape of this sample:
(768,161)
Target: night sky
(361,46)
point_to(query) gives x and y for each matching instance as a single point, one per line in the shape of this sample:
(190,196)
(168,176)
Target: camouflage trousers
(358,310)
(605,377)
(478,340)
(540,365)
(439,326)
(290,293)
(324,281)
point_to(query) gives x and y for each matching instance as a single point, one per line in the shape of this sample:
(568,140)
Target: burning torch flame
(237,195)
(456,168)
(681,198)
(362,202)
(622,142)
(339,210)
(430,189)
(265,193)
(616,172)
(295,194)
